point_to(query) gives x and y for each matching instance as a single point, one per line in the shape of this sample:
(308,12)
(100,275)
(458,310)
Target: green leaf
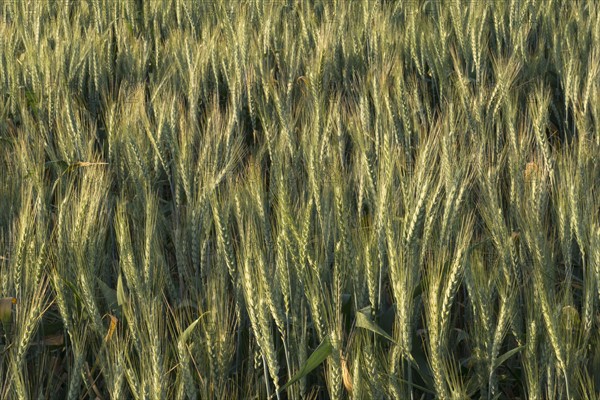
(122,298)
(420,363)
(418,290)
(185,334)
(73,288)
(110,296)
(364,321)
(6,304)
(461,336)
(346,303)
(500,360)
(422,388)
(315,359)
(62,164)
(386,318)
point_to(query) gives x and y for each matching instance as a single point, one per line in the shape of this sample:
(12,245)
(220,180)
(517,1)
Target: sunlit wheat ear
(363,122)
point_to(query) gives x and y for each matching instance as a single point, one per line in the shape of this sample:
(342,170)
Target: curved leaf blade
(364,321)
(315,359)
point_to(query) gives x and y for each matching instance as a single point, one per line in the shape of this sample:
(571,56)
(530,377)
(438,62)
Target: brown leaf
(531,169)
(346,376)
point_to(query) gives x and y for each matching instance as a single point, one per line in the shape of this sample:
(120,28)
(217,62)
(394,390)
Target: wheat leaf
(500,360)
(315,359)
(122,298)
(363,321)
(187,332)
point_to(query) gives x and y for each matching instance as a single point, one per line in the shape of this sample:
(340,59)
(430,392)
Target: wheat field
(303,199)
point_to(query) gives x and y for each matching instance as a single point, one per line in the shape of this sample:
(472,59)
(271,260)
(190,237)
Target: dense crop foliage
(299,199)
